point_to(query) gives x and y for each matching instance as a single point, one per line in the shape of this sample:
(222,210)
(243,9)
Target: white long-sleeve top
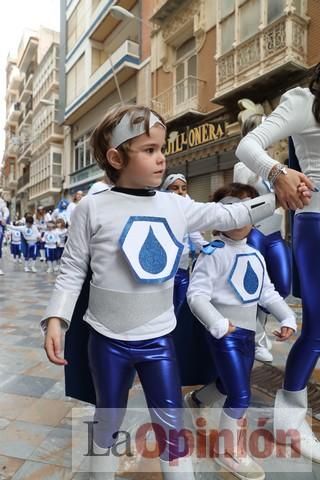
(62,236)
(293,117)
(4,212)
(50,239)
(211,285)
(15,237)
(30,234)
(121,304)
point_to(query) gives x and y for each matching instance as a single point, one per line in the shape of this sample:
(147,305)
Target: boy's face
(147,163)
(179,187)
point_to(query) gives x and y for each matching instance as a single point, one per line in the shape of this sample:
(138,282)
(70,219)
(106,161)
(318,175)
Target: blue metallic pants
(306,350)
(233,357)
(181,282)
(277,256)
(113,363)
(1,239)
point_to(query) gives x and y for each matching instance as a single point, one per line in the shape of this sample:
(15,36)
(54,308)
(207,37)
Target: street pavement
(35,415)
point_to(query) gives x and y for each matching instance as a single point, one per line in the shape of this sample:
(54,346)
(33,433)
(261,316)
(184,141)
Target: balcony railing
(91,172)
(128,48)
(183,97)
(284,41)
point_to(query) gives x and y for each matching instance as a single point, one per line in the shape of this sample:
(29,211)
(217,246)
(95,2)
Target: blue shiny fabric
(306,350)
(233,357)
(112,364)
(277,256)
(1,239)
(181,282)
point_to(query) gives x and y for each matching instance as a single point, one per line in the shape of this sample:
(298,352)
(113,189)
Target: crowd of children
(37,237)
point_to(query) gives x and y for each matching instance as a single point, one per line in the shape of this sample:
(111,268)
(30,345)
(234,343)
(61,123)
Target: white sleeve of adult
(243,174)
(74,265)
(288,118)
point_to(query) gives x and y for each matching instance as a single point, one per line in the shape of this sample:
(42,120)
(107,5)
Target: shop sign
(193,137)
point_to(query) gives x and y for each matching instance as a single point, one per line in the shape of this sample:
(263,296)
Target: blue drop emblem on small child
(152,256)
(250,281)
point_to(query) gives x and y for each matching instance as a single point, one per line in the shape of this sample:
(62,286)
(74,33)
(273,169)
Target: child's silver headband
(125,130)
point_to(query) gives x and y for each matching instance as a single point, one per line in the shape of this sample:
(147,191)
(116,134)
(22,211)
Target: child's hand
(53,342)
(284,334)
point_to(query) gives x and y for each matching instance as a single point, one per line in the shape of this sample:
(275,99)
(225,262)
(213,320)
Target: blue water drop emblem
(152,256)
(250,281)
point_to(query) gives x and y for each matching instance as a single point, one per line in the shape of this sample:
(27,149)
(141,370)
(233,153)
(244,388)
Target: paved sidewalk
(35,416)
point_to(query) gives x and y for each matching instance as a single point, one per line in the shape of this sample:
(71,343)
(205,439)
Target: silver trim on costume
(243,317)
(123,311)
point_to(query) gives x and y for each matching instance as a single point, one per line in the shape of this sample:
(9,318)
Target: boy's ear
(114,158)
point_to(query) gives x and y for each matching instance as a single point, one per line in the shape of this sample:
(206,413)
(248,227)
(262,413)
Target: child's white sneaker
(26,269)
(50,270)
(33,269)
(20,261)
(56,268)
(1,272)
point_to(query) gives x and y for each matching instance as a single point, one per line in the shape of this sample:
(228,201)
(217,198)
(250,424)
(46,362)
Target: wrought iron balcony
(281,46)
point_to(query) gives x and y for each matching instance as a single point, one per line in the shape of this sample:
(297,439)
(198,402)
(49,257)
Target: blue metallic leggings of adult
(276,253)
(113,363)
(306,350)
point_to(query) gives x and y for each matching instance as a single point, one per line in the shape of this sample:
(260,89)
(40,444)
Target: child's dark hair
(235,189)
(101,136)
(29,219)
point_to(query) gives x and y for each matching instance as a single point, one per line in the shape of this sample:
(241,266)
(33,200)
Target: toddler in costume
(229,280)
(132,238)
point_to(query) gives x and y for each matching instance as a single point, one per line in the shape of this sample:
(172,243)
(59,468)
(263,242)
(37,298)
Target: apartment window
(226,7)
(75,25)
(249,14)
(186,71)
(275,9)
(75,80)
(82,153)
(227,32)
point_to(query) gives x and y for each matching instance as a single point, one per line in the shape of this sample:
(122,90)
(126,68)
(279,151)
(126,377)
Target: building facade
(33,148)
(208,58)
(107,62)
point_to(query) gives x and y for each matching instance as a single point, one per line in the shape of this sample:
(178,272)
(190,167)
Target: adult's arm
(289,118)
